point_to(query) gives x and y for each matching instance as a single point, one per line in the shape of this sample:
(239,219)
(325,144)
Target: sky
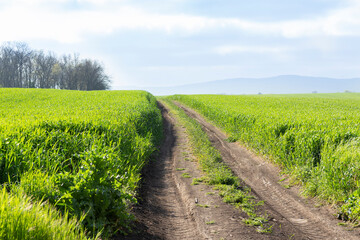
(177,42)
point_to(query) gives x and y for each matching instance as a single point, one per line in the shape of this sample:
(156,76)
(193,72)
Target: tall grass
(315,137)
(22,218)
(80,151)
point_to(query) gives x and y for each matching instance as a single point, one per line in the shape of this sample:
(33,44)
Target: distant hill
(273,85)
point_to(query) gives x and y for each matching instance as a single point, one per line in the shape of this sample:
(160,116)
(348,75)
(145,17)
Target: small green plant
(186,175)
(262,229)
(231,139)
(210,222)
(256,221)
(202,205)
(180,169)
(197,181)
(283,179)
(287,186)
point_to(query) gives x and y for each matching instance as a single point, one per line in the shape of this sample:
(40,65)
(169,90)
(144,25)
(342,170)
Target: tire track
(167,209)
(263,179)
(163,212)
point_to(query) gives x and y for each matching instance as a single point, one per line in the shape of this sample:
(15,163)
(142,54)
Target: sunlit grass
(22,218)
(82,152)
(315,137)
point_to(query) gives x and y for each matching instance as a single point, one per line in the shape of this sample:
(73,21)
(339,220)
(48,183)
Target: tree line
(22,67)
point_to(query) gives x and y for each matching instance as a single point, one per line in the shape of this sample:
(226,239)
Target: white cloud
(24,22)
(343,22)
(230,49)
(44,19)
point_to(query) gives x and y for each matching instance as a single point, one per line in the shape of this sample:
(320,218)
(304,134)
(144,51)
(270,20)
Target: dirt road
(172,208)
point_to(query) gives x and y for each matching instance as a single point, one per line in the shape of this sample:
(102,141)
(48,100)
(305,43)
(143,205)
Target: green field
(81,152)
(70,157)
(315,137)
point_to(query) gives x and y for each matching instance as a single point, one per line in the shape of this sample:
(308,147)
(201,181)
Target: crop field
(71,161)
(315,137)
(81,152)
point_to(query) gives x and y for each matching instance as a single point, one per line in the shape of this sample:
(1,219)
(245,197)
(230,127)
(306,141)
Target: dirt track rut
(162,213)
(263,178)
(170,207)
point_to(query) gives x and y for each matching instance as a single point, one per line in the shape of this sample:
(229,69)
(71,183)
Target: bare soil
(170,207)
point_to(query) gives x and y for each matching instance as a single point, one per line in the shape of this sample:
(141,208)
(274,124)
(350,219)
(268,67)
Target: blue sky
(175,42)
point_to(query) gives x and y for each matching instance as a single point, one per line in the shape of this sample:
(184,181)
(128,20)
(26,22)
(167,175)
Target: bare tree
(92,76)
(22,67)
(44,69)
(69,75)
(22,54)
(7,68)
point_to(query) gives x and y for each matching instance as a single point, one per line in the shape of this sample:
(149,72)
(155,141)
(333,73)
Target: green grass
(22,218)
(315,137)
(202,205)
(186,175)
(197,181)
(82,152)
(216,173)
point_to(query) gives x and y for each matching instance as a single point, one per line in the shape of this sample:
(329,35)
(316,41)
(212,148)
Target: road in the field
(172,208)
(162,212)
(264,180)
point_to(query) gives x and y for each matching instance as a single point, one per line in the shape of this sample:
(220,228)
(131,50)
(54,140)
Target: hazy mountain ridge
(272,85)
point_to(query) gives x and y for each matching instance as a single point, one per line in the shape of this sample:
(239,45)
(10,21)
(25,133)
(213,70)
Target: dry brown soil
(170,207)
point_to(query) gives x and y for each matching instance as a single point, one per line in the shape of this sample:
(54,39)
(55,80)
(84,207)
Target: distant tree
(22,67)
(43,70)
(92,76)
(29,78)
(14,62)
(7,68)
(56,74)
